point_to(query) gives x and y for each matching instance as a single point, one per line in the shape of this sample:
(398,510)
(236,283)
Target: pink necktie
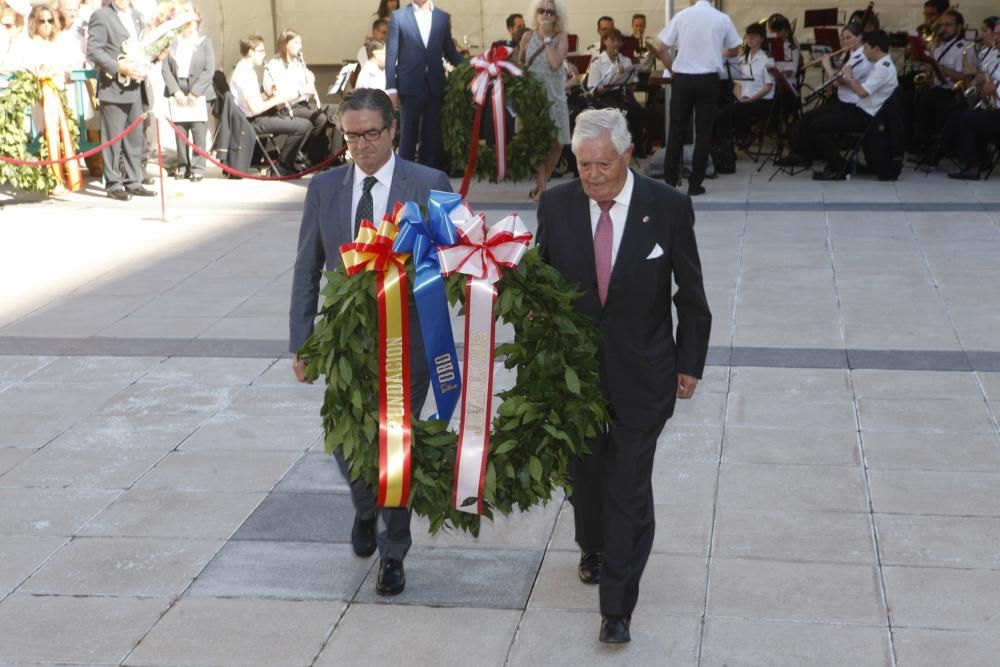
(602,249)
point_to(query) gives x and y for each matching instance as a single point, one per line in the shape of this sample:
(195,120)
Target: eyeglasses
(260,49)
(546,12)
(371,136)
(49,21)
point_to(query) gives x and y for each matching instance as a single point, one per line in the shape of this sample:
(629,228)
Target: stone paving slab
(422,636)
(952,541)
(20,556)
(315,472)
(932,451)
(283,570)
(67,469)
(944,598)
(929,648)
(200,632)
(832,537)
(300,517)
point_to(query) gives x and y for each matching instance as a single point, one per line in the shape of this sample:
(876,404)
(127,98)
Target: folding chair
(858,139)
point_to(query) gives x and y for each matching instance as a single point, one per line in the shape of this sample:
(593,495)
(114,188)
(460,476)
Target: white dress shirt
(880,83)
(604,72)
(125,16)
(700,33)
(755,67)
(618,213)
(424,18)
(949,55)
(290,80)
(245,86)
(183,53)
(380,191)
(861,68)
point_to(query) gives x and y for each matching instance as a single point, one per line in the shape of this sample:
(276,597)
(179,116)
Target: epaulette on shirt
(885,63)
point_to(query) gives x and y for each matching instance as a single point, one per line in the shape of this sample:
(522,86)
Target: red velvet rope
(79,156)
(235,172)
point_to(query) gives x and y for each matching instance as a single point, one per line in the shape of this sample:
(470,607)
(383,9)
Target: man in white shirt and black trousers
(702,36)
(872,94)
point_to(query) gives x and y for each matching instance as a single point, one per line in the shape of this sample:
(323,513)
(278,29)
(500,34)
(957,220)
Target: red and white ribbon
(490,67)
(479,254)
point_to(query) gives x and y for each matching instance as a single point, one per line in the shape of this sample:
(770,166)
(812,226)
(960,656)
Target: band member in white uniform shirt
(755,93)
(702,36)
(872,94)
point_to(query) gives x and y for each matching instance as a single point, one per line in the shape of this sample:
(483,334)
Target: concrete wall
(333,29)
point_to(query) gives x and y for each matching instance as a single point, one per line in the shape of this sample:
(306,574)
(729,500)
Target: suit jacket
(235,139)
(199,75)
(327,223)
(639,356)
(410,67)
(104,45)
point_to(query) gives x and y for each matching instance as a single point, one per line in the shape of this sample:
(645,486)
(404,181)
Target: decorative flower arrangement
(156,37)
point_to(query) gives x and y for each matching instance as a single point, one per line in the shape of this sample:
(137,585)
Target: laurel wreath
(534,135)
(554,407)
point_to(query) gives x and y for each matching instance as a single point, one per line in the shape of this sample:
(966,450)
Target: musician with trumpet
(287,76)
(979,126)
(936,98)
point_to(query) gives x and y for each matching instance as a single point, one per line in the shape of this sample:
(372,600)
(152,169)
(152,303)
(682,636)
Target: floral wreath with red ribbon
(510,155)
(483,464)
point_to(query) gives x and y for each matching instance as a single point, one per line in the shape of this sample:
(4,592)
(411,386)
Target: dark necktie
(602,249)
(366,207)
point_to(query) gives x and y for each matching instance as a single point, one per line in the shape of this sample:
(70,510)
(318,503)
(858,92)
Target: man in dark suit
(121,104)
(621,238)
(336,203)
(419,37)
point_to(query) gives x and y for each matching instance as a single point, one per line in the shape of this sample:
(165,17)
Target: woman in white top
(788,62)
(287,76)
(610,70)
(41,53)
(859,66)
(754,94)
(13,33)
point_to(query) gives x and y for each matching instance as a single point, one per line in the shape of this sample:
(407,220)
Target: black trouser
(932,110)
(295,131)
(698,94)
(420,116)
(395,540)
(977,128)
(802,137)
(122,159)
(613,510)
(739,118)
(826,129)
(317,147)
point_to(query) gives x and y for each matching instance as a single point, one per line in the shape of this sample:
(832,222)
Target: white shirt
(986,60)
(604,72)
(949,55)
(183,53)
(880,83)
(380,191)
(125,16)
(789,66)
(618,213)
(424,18)
(290,80)
(245,87)
(861,67)
(700,34)
(756,68)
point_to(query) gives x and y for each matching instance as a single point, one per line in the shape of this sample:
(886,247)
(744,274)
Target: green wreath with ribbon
(554,407)
(535,130)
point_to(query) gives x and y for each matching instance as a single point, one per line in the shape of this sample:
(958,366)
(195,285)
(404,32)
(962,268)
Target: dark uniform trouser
(697,93)
(613,510)
(395,540)
(825,129)
(420,117)
(125,155)
(976,128)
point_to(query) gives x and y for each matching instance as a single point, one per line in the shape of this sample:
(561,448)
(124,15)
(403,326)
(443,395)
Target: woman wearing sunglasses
(543,50)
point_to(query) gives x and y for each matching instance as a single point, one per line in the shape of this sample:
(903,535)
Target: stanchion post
(159,152)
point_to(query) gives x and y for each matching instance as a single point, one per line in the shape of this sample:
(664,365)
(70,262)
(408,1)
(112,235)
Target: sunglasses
(49,21)
(546,12)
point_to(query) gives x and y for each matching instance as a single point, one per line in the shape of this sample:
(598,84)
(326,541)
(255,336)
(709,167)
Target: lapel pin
(645,219)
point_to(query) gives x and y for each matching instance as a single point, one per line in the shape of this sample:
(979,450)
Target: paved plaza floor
(831,496)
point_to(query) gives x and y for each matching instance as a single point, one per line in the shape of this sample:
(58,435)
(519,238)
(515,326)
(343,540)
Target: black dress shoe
(971,174)
(179,174)
(391,578)
(614,630)
(695,190)
(148,180)
(140,191)
(363,536)
(590,567)
(827,175)
(119,195)
(197,178)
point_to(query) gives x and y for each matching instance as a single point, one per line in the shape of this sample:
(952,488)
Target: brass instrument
(930,31)
(963,84)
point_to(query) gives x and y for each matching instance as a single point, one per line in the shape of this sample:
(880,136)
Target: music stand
(820,17)
(731,71)
(918,47)
(340,83)
(630,46)
(828,37)
(778,49)
(785,86)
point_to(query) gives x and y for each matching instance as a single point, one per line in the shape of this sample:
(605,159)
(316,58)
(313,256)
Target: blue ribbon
(420,237)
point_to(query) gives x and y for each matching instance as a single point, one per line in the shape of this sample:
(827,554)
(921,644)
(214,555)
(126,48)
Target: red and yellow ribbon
(58,137)
(372,251)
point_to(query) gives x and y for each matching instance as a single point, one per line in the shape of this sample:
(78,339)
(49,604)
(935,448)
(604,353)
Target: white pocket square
(657,251)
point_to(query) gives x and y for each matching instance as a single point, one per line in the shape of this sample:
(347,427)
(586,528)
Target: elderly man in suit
(336,203)
(621,238)
(187,75)
(121,104)
(419,37)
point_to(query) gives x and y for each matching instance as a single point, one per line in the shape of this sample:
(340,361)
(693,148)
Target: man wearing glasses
(271,115)
(336,203)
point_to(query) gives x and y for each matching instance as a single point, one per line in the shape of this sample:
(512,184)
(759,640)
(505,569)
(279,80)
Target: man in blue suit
(419,37)
(336,203)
